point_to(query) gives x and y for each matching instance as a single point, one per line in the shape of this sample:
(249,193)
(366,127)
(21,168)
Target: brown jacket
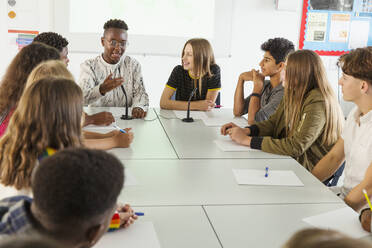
(305,145)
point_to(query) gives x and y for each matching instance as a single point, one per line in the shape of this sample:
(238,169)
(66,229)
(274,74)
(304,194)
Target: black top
(181,81)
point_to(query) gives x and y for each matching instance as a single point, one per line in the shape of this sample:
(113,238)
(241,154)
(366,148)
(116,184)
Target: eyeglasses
(114,43)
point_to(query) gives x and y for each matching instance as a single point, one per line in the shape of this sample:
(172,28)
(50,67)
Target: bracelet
(115,222)
(256,94)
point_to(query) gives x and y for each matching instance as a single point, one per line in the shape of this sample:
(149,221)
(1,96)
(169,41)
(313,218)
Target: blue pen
(266,171)
(121,130)
(139,213)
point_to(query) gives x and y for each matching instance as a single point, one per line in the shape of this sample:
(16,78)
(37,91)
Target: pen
(218,106)
(369,203)
(139,213)
(121,130)
(266,171)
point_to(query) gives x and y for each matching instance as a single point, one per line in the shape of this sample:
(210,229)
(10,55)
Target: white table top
(186,187)
(211,182)
(180,226)
(195,140)
(261,225)
(150,140)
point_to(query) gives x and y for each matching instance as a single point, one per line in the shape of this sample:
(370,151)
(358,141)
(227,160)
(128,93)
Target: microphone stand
(125,116)
(188,118)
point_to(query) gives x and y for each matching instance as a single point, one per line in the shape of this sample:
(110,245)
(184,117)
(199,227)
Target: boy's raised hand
(110,84)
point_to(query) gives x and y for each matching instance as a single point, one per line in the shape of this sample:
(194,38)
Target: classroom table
(262,225)
(211,182)
(150,140)
(185,185)
(195,140)
(180,226)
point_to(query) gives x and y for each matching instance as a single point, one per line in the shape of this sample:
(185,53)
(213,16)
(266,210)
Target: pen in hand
(118,128)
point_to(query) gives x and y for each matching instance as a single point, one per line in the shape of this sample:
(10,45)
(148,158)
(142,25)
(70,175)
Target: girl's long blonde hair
(50,68)
(305,72)
(203,59)
(48,115)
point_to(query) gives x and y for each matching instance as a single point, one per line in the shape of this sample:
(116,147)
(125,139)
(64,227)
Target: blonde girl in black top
(198,70)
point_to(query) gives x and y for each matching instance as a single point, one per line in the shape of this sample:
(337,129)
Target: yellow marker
(369,203)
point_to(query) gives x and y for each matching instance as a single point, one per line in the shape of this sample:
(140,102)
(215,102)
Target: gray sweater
(270,99)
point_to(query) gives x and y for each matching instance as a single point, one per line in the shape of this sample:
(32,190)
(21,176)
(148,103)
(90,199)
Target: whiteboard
(156,27)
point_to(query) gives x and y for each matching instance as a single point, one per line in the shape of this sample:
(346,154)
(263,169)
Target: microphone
(125,116)
(188,118)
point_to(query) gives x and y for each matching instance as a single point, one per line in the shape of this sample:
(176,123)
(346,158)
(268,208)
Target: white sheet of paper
(130,179)
(115,111)
(180,114)
(339,30)
(138,235)
(99,128)
(227,145)
(345,220)
(275,177)
(218,121)
(359,31)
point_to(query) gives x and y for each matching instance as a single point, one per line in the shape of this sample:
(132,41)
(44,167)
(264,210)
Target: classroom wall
(254,22)
(43,9)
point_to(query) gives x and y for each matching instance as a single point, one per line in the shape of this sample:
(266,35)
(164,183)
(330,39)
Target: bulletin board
(334,27)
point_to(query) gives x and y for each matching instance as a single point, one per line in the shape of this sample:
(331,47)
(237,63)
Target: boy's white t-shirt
(357,136)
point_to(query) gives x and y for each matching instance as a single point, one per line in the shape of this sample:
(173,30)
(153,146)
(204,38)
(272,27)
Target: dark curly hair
(357,63)
(279,48)
(52,39)
(115,23)
(14,80)
(77,185)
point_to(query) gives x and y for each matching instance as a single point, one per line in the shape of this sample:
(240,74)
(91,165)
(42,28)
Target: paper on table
(180,114)
(100,128)
(275,177)
(227,145)
(130,179)
(218,121)
(344,220)
(138,235)
(115,111)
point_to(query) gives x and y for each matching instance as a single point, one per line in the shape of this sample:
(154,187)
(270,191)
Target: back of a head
(358,63)
(279,48)
(25,61)
(75,186)
(304,71)
(50,68)
(34,241)
(52,39)
(55,106)
(48,115)
(321,238)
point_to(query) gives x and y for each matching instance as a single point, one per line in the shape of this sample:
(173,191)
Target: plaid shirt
(15,215)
